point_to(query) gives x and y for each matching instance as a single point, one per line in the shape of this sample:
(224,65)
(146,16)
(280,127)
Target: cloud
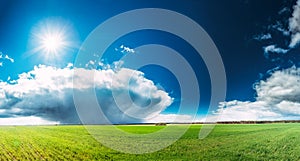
(238,110)
(169,118)
(29,120)
(262,37)
(125,50)
(279,26)
(289,28)
(9,58)
(46,93)
(4,57)
(274,49)
(278,97)
(294,25)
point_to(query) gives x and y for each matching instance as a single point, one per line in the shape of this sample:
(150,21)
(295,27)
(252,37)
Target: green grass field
(226,142)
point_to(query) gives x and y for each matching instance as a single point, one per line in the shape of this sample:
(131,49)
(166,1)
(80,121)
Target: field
(226,142)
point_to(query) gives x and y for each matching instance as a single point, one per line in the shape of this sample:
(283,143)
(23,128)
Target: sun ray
(51,39)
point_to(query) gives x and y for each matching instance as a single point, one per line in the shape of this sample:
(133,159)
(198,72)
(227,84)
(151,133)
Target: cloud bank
(278,98)
(45,94)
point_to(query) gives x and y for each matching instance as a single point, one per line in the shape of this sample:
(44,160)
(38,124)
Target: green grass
(226,142)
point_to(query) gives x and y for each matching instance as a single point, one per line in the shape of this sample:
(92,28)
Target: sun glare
(52,43)
(51,39)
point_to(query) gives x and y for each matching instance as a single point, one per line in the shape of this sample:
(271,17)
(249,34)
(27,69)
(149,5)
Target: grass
(226,142)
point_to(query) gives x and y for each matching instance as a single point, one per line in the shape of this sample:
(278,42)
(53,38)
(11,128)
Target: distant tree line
(249,122)
(219,122)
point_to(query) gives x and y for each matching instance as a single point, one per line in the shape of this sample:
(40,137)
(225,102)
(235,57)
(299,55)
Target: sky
(40,42)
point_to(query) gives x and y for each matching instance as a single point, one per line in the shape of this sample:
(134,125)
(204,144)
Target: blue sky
(258,42)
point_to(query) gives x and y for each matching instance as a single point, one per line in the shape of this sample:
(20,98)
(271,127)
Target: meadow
(226,142)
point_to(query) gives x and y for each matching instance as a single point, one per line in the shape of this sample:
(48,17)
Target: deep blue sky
(231,24)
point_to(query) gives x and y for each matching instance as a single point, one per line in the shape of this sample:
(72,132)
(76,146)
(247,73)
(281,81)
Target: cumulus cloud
(4,57)
(278,97)
(46,93)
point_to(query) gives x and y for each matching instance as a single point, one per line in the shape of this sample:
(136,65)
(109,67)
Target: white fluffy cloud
(278,97)
(46,93)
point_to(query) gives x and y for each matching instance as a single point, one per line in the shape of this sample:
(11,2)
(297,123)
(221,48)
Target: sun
(52,43)
(51,40)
